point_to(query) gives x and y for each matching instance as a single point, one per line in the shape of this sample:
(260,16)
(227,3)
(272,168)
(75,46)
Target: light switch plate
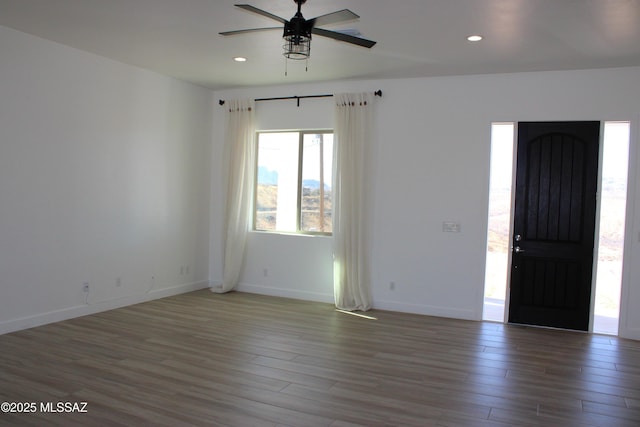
(451,227)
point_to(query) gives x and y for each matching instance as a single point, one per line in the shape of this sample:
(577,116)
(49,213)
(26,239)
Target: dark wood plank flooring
(202,359)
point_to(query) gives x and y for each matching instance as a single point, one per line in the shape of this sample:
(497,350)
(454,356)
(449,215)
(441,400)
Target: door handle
(517,250)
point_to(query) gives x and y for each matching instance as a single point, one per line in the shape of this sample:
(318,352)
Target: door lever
(518,250)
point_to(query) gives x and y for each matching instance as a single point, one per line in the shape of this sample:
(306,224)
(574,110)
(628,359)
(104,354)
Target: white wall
(432,165)
(104,174)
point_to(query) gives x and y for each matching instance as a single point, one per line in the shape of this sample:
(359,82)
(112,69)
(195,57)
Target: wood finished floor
(247,360)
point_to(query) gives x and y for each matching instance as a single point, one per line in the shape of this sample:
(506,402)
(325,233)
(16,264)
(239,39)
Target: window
(293,185)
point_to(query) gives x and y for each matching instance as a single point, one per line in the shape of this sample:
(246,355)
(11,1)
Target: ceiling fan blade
(250,30)
(334,17)
(343,37)
(253,9)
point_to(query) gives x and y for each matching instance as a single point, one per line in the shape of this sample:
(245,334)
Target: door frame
(596,242)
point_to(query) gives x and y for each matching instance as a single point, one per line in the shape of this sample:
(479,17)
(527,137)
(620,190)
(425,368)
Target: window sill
(290,234)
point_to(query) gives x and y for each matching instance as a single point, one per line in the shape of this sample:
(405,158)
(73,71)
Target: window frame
(301,134)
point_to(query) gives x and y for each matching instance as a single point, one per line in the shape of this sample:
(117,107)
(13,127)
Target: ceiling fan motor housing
(298,29)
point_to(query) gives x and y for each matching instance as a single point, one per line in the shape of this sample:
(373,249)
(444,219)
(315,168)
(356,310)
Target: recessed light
(240,59)
(474,38)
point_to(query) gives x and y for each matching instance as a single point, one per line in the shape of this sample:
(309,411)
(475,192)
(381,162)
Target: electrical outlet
(119,281)
(392,286)
(85,287)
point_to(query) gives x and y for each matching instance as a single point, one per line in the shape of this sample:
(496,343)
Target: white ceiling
(416,38)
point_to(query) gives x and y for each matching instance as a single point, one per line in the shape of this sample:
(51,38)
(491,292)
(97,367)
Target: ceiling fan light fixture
(297,37)
(297,47)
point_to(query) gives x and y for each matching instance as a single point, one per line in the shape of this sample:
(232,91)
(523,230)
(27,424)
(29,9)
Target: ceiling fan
(298,30)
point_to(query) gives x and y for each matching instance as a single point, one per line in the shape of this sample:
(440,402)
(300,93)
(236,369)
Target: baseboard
(97,307)
(285,293)
(380,305)
(629,333)
(427,310)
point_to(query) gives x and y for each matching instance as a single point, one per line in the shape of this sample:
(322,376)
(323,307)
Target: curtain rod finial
(378,93)
(221,101)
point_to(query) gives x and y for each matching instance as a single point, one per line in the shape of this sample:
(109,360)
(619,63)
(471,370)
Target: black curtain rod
(297,98)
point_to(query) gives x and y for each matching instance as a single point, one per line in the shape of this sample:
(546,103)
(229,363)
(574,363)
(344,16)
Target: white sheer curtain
(240,159)
(351,282)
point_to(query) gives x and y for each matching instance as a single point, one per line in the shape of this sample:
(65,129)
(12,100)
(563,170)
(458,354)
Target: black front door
(554,224)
